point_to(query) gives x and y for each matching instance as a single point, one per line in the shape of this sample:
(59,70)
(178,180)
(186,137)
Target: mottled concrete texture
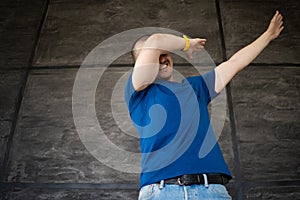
(286,193)
(70,25)
(243,21)
(10,84)
(46,130)
(68,194)
(266,107)
(18,29)
(44,42)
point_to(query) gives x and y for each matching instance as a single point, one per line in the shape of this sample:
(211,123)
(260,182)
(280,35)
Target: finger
(280,24)
(202,40)
(189,54)
(275,15)
(279,17)
(281,28)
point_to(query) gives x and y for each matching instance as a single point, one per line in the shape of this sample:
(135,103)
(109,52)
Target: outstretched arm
(227,70)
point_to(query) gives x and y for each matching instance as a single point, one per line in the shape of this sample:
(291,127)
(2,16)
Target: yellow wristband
(187,43)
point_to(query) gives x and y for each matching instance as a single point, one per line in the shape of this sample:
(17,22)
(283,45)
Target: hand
(196,45)
(275,26)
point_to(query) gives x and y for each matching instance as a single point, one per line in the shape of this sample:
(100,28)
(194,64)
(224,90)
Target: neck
(171,79)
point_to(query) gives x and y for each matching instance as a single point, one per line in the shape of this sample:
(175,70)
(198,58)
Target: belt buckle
(179,181)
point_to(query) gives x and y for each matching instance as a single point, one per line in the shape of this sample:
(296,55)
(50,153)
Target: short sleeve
(132,97)
(204,86)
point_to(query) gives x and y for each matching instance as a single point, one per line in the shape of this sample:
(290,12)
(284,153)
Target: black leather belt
(192,179)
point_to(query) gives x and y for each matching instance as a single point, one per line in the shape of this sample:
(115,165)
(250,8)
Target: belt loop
(185,193)
(162,184)
(198,179)
(205,180)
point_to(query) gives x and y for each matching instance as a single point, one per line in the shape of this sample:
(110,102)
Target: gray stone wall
(43,44)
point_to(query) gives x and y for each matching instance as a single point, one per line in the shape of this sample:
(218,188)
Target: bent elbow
(140,82)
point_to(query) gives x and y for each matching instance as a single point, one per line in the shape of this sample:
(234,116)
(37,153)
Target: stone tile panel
(10,84)
(72,29)
(244,21)
(19,22)
(47,147)
(275,192)
(266,107)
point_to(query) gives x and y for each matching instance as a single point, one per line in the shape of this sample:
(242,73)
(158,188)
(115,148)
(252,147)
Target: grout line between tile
(237,165)
(121,65)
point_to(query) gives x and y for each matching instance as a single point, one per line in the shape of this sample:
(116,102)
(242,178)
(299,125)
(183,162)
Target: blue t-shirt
(172,121)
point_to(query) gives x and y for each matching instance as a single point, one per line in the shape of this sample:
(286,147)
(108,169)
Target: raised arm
(227,70)
(146,66)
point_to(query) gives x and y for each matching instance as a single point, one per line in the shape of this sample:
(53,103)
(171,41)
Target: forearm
(246,55)
(165,42)
(227,70)
(147,64)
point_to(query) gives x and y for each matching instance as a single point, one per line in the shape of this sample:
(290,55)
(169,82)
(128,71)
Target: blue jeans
(192,192)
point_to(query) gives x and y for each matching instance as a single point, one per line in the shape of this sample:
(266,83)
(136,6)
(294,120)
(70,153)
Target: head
(137,46)
(165,60)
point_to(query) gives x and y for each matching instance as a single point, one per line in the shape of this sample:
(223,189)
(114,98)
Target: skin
(165,67)
(153,59)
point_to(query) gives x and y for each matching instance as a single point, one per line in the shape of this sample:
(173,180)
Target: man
(172,118)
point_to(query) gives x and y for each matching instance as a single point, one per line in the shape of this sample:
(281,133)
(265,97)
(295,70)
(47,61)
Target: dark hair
(140,39)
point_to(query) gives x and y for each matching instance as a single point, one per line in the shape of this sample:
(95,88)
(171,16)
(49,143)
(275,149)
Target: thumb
(189,54)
